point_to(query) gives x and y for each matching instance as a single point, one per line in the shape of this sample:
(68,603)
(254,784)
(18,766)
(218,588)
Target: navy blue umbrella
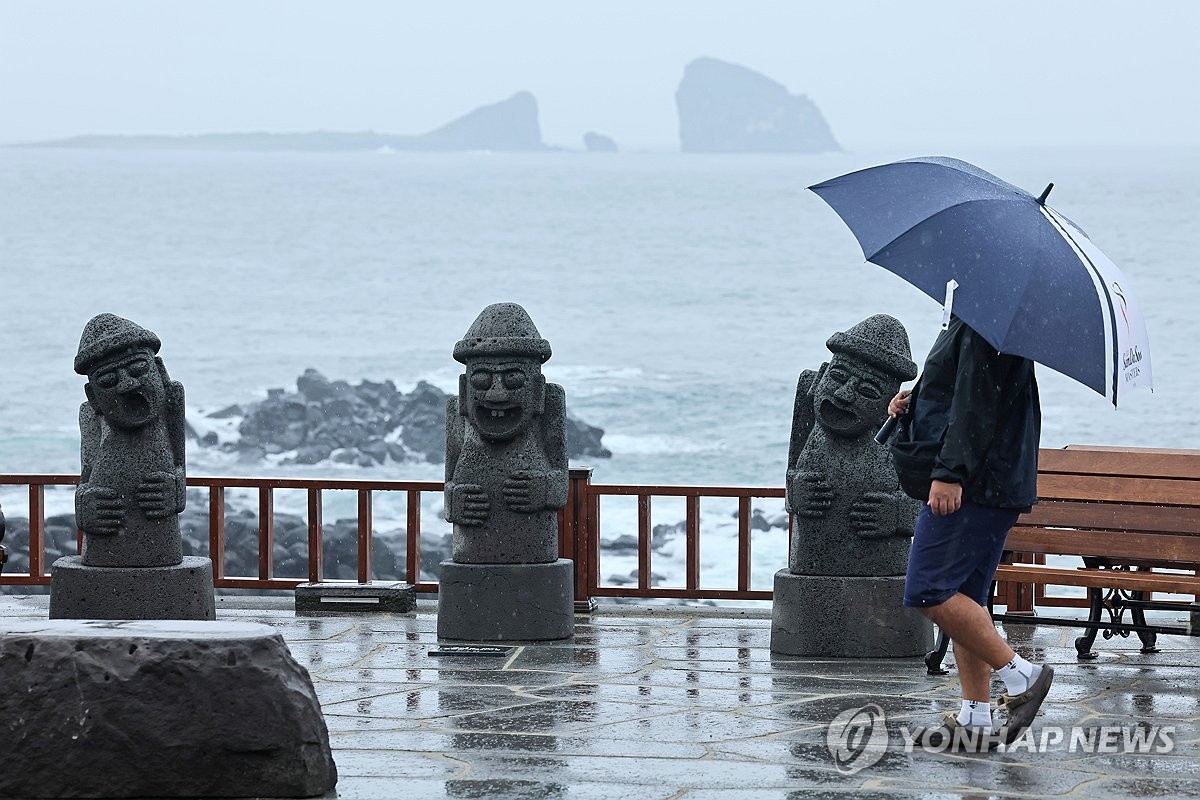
(1025,277)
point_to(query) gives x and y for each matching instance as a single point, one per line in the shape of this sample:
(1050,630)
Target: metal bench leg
(933,659)
(1083,645)
(1149,638)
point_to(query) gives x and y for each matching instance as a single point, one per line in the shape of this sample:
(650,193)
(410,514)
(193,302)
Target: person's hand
(945,498)
(899,404)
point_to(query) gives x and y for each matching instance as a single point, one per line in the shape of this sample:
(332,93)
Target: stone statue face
(127,390)
(500,397)
(851,397)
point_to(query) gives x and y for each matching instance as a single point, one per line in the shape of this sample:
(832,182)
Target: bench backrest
(1135,505)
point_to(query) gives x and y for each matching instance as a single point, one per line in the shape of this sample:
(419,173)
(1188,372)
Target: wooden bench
(1132,516)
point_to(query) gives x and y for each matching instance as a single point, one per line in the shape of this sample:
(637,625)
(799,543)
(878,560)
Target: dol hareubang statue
(132,488)
(850,516)
(131,484)
(506,454)
(852,526)
(506,479)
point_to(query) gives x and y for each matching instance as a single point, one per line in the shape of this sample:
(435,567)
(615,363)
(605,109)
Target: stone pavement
(652,704)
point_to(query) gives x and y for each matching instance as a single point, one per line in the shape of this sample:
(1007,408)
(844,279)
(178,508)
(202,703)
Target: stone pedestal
(180,591)
(157,709)
(388,597)
(845,617)
(506,602)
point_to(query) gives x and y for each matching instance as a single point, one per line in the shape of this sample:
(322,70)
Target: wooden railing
(580,530)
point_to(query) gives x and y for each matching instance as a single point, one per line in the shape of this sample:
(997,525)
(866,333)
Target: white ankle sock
(1018,674)
(975,714)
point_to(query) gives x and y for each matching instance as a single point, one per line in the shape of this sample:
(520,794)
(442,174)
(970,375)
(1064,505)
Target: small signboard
(469,650)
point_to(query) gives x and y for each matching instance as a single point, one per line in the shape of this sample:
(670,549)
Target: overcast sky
(1020,72)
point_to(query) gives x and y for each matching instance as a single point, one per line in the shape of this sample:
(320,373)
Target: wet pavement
(648,704)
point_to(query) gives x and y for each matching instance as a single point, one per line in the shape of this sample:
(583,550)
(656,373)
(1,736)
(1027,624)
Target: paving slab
(687,704)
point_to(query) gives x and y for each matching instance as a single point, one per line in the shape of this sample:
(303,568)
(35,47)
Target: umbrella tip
(1045,194)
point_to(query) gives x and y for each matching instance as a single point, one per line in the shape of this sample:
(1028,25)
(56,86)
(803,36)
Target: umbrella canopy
(1029,280)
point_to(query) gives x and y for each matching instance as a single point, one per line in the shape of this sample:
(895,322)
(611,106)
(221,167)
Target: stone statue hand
(469,504)
(525,492)
(813,493)
(99,510)
(873,515)
(156,495)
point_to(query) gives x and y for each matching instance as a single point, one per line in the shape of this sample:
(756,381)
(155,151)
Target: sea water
(683,295)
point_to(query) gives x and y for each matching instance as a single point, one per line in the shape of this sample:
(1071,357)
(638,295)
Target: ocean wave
(657,443)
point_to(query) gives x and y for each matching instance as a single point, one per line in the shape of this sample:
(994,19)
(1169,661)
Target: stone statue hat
(881,341)
(108,333)
(502,329)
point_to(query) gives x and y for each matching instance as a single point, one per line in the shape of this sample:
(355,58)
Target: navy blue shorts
(956,553)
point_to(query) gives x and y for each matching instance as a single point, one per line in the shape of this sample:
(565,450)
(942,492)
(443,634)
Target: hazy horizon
(934,75)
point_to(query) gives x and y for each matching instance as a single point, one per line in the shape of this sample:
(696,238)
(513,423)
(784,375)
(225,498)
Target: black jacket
(986,403)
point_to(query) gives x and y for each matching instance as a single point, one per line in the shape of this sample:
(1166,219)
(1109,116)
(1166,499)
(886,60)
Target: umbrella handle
(885,432)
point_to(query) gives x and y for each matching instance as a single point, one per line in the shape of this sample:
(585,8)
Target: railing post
(580,535)
(266,533)
(364,535)
(37,529)
(216,530)
(644,541)
(316,542)
(412,540)
(693,542)
(744,556)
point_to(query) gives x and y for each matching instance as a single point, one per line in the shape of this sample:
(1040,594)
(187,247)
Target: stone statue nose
(497,392)
(846,390)
(127,383)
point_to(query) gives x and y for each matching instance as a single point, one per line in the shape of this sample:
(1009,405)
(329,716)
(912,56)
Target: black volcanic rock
(155,708)
(599,143)
(727,108)
(364,424)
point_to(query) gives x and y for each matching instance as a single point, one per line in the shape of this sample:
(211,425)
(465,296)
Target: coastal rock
(162,709)
(727,108)
(363,424)
(599,143)
(339,544)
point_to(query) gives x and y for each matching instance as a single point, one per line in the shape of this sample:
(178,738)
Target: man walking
(983,406)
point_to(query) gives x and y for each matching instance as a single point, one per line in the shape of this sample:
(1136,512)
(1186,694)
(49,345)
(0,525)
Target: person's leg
(970,627)
(950,571)
(978,649)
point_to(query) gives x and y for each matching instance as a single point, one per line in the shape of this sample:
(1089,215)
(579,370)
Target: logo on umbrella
(1124,306)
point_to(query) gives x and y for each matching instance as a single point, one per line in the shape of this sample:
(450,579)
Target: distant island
(722,108)
(510,125)
(727,108)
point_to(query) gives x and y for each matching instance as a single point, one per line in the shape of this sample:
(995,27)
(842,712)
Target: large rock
(363,424)
(157,709)
(727,108)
